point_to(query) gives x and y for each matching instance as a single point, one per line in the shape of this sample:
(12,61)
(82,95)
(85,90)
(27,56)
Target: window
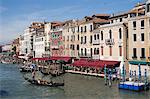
(101,35)
(149,22)
(85,29)
(95,37)
(120,34)
(67,38)
(142,52)
(142,24)
(142,36)
(98,36)
(101,50)
(148,7)
(97,51)
(78,29)
(81,29)
(91,39)
(81,40)
(68,29)
(120,19)
(85,40)
(85,52)
(91,51)
(73,47)
(110,34)
(134,53)
(91,28)
(111,21)
(110,48)
(94,51)
(78,47)
(134,25)
(120,50)
(134,37)
(81,51)
(78,37)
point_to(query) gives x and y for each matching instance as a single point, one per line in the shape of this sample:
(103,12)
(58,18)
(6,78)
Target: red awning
(95,63)
(64,58)
(41,59)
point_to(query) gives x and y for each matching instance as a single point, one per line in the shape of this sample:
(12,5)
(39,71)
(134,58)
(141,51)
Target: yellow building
(86,27)
(139,38)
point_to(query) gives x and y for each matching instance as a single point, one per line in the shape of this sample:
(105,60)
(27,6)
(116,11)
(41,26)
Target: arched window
(110,34)
(120,33)
(101,35)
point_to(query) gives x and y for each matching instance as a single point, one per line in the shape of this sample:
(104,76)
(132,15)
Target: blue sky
(16,15)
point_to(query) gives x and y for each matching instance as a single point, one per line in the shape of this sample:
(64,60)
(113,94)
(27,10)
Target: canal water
(13,86)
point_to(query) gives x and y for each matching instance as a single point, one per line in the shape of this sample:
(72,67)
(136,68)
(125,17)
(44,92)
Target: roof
(101,15)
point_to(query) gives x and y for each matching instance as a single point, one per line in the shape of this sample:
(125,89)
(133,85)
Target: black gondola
(45,73)
(23,69)
(44,83)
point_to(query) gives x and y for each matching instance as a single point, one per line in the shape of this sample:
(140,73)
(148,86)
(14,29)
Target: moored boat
(44,83)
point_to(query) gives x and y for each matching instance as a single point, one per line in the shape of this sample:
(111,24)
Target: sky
(17,15)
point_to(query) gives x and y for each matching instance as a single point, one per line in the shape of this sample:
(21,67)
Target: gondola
(25,69)
(45,73)
(44,83)
(57,74)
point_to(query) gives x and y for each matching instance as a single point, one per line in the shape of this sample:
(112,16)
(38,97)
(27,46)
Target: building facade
(139,38)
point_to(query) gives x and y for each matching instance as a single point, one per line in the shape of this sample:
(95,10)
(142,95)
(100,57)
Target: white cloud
(15,26)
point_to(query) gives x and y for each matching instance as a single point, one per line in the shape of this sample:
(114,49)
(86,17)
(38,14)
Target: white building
(39,43)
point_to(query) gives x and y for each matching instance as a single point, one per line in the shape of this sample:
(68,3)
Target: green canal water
(13,86)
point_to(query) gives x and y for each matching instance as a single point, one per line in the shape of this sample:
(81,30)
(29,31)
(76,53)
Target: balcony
(142,57)
(96,42)
(54,47)
(134,57)
(85,56)
(109,41)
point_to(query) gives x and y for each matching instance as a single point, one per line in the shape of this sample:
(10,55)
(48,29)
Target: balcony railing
(96,42)
(109,41)
(83,55)
(54,47)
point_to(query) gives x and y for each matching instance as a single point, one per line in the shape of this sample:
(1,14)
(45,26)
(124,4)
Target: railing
(54,46)
(109,41)
(96,42)
(83,55)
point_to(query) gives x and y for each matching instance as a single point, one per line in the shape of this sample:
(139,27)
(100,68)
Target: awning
(56,58)
(23,57)
(41,59)
(139,62)
(61,58)
(96,63)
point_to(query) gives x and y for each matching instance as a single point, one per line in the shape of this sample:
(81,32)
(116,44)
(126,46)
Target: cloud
(13,27)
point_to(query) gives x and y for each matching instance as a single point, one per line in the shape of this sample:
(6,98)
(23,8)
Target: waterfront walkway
(84,73)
